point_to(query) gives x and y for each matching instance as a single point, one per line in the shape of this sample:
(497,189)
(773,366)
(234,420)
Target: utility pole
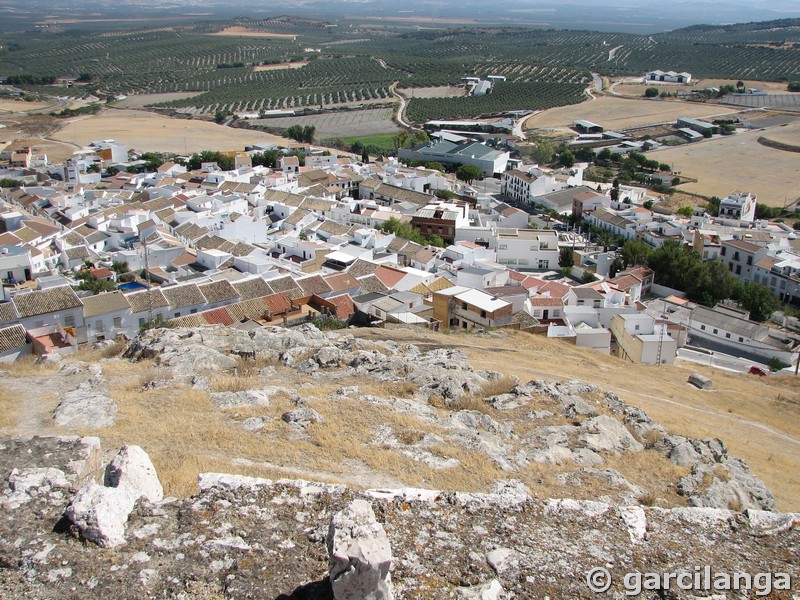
(147,276)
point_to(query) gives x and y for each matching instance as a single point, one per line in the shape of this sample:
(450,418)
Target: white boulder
(359,555)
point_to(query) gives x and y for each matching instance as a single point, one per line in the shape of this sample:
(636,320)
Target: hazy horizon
(632,16)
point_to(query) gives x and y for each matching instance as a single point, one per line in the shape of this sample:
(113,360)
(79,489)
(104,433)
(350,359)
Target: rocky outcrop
(243,537)
(101,513)
(86,407)
(360,556)
(572,425)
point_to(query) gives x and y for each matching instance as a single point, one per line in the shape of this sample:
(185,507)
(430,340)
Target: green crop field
(346,65)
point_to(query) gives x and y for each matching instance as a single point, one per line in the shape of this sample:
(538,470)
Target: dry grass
(247,32)
(736,162)
(9,409)
(280,66)
(652,472)
(28,367)
(621,113)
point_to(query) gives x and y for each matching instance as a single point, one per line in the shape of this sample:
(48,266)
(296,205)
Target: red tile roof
(344,305)
(389,276)
(277,303)
(218,316)
(341,281)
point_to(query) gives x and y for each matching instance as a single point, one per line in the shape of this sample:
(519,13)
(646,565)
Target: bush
(651,92)
(776,364)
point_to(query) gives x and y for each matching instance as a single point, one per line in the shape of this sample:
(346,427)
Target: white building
(739,206)
(667,77)
(526,249)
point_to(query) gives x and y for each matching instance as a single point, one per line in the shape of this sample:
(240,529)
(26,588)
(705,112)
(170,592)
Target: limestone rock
(100,513)
(607,434)
(359,555)
(302,417)
(700,381)
(133,468)
(85,407)
(491,590)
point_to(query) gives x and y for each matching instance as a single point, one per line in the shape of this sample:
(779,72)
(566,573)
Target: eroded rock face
(101,513)
(441,545)
(360,555)
(87,407)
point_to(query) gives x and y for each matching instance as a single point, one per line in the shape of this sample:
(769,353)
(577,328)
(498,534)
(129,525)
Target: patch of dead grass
(28,367)
(9,408)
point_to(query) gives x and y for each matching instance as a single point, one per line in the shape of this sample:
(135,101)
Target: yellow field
(280,66)
(790,134)
(22,106)
(149,132)
(739,162)
(247,32)
(621,113)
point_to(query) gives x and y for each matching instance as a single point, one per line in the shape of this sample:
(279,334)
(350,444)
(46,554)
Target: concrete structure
(465,308)
(642,339)
(738,205)
(526,249)
(698,125)
(667,77)
(442,219)
(487,159)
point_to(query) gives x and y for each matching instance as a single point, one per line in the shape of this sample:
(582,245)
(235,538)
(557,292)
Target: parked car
(757,371)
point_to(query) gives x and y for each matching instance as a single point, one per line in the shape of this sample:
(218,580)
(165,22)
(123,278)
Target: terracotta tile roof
(742,245)
(362,267)
(77,253)
(101,272)
(46,301)
(341,281)
(102,304)
(421,289)
(252,288)
(314,285)
(182,296)
(344,306)
(439,284)
(7,312)
(277,303)
(248,309)
(219,291)
(625,282)
(545,301)
(12,337)
(196,320)
(389,276)
(218,316)
(370,283)
(285,285)
(140,301)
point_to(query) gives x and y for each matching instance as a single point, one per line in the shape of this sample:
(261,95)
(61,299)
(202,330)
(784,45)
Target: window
(722,251)
(703,327)
(483,314)
(194,310)
(464,305)
(544,264)
(99,325)
(502,247)
(141,321)
(728,335)
(738,269)
(715,331)
(749,260)
(741,339)
(117,321)
(69,321)
(464,325)
(735,256)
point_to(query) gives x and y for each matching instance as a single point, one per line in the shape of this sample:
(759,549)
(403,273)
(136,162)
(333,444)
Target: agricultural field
(279,66)
(503,97)
(247,32)
(622,113)
(149,132)
(737,162)
(785,134)
(638,89)
(385,141)
(446,91)
(10,106)
(341,124)
(144,100)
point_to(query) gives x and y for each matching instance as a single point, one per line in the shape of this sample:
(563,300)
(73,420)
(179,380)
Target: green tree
(120,267)
(543,153)
(651,92)
(112,170)
(758,299)
(566,158)
(635,252)
(223,161)
(468,173)
(445,194)
(588,277)
(566,259)
(364,156)
(686,211)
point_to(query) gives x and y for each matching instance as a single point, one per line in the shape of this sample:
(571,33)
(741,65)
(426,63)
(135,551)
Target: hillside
(407,413)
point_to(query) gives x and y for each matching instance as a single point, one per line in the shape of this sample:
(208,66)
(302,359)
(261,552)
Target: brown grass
(247,32)
(280,66)
(9,408)
(28,367)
